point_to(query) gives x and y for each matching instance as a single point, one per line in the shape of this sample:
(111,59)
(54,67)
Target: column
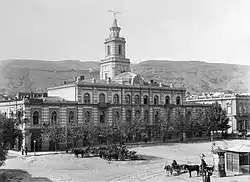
(221,164)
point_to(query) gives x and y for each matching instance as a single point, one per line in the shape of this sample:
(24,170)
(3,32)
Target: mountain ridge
(198,76)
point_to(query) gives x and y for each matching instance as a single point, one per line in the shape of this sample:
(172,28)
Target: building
(117,97)
(237,107)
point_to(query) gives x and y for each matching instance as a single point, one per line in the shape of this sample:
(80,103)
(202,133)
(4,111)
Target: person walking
(22,150)
(26,150)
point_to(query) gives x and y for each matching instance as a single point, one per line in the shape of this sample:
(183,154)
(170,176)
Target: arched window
(102,98)
(156,117)
(128,116)
(137,114)
(86,98)
(145,99)
(71,117)
(116,99)
(120,49)
(108,50)
(137,99)
(156,100)
(35,118)
(178,100)
(87,117)
(102,117)
(146,116)
(167,100)
(128,99)
(189,115)
(116,117)
(53,117)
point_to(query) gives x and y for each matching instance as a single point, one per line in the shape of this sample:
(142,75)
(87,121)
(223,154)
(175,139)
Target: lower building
(237,107)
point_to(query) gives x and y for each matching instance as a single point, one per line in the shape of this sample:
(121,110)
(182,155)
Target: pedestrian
(22,149)
(26,150)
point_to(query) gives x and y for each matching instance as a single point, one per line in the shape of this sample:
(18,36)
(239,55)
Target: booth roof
(240,148)
(218,150)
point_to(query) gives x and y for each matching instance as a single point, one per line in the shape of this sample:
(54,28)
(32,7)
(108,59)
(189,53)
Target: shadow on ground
(18,175)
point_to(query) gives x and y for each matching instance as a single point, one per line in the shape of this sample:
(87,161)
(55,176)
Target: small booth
(238,159)
(219,161)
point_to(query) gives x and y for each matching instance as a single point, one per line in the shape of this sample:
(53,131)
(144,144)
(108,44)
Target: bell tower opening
(115,61)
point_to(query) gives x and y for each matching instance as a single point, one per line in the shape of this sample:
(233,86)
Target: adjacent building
(237,107)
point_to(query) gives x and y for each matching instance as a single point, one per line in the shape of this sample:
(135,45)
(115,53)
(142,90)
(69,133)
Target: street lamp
(34,147)
(212,140)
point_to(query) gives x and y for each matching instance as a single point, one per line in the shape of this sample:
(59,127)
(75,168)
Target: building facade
(237,107)
(117,97)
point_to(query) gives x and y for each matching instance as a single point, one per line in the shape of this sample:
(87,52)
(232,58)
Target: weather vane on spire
(114,12)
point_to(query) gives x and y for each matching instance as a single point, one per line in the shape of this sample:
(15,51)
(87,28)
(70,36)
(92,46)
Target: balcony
(103,105)
(170,106)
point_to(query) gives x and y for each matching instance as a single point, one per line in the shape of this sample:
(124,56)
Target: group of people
(24,150)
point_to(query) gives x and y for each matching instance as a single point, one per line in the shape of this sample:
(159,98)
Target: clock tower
(115,61)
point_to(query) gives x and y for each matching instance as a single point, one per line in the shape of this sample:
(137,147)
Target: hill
(198,76)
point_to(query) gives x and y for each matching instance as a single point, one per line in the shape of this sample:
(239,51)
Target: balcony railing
(103,105)
(170,106)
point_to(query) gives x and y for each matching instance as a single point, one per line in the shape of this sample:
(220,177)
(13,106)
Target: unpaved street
(65,167)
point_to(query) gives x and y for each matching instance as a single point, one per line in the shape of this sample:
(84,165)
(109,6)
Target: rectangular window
(229,109)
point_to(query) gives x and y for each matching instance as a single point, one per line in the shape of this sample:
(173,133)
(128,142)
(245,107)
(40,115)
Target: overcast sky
(207,30)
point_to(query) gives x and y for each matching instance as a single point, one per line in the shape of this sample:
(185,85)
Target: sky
(182,30)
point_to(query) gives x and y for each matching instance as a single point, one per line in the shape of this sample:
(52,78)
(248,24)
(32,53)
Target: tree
(8,135)
(3,151)
(218,119)
(199,123)
(10,132)
(53,132)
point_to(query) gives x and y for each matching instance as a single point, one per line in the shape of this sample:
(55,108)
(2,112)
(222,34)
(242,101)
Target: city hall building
(116,96)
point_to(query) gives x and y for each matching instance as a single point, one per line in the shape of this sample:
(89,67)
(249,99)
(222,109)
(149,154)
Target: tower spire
(115,20)
(115,23)
(115,61)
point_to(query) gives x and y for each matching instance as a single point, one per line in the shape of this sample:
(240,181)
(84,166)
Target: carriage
(111,152)
(176,169)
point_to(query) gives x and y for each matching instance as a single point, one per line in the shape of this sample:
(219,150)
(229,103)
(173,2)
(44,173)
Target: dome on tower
(128,78)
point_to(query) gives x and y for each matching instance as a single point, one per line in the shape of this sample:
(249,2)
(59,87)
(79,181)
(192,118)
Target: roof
(240,148)
(48,100)
(115,23)
(3,97)
(195,104)
(218,150)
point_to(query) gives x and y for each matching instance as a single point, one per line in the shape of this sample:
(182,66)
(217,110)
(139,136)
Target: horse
(169,169)
(191,168)
(103,153)
(183,167)
(78,151)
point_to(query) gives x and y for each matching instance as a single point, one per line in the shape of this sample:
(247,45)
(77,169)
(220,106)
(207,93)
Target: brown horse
(191,168)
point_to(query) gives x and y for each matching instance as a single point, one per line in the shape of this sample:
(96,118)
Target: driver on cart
(174,164)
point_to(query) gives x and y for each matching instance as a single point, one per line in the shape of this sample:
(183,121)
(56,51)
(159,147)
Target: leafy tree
(53,132)
(10,132)
(8,135)
(178,121)
(3,151)
(198,122)
(217,118)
